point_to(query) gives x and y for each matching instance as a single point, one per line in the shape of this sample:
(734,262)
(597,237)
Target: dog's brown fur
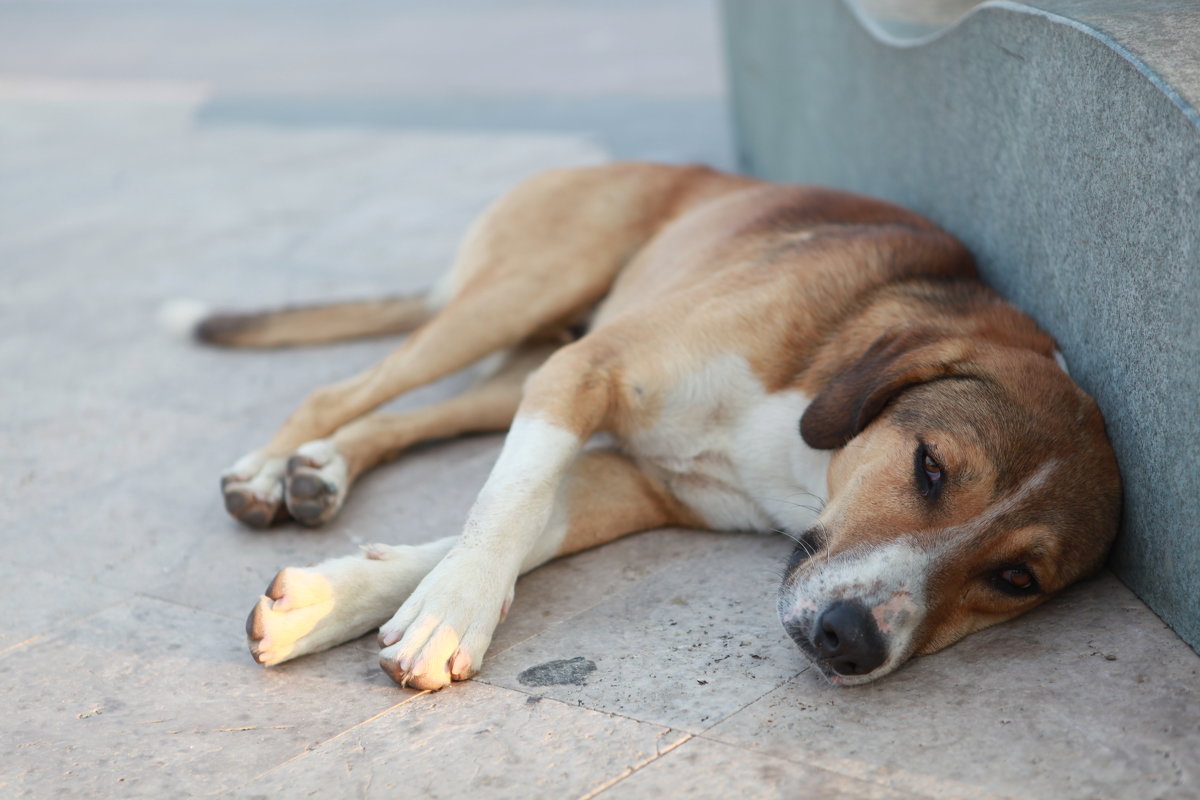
(868,310)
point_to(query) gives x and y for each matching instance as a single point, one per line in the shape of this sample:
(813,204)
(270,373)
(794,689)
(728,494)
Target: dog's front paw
(286,621)
(441,634)
(253,490)
(309,609)
(317,482)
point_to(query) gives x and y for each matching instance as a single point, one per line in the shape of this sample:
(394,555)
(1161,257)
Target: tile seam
(611,782)
(313,748)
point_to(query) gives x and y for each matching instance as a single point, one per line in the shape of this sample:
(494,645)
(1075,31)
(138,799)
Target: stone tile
(1088,696)
(150,699)
(62,455)
(38,603)
(471,741)
(131,532)
(703,768)
(685,646)
(564,588)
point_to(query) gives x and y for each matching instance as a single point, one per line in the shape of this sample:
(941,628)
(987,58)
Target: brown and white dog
(745,344)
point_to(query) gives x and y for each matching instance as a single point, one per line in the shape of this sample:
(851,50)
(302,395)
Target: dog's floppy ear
(900,358)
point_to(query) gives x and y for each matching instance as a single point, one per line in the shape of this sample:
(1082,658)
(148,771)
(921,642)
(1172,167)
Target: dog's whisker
(789,535)
(817,509)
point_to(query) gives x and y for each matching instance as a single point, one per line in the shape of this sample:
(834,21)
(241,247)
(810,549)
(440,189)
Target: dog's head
(970,482)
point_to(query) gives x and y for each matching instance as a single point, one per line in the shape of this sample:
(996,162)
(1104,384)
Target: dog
(744,344)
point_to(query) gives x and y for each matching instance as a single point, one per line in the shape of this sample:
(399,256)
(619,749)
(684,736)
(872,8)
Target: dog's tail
(297,325)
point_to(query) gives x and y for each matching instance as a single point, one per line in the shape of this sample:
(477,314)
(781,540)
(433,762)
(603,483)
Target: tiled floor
(124,585)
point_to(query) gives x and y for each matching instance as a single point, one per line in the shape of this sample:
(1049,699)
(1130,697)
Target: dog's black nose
(848,638)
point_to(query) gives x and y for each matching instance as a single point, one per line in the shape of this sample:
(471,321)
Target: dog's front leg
(442,631)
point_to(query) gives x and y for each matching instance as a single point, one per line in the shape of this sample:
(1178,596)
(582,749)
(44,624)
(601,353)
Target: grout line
(702,729)
(577,706)
(631,770)
(311,748)
(18,645)
(824,766)
(159,599)
(817,764)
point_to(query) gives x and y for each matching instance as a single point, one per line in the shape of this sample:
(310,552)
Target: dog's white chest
(732,452)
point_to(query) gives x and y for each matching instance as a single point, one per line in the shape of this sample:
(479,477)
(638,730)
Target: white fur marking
(732,452)
(181,317)
(519,493)
(1007,504)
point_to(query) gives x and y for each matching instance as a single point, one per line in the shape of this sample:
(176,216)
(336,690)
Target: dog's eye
(1017,581)
(929,474)
(933,470)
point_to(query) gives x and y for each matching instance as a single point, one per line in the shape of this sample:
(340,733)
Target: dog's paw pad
(253,491)
(316,483)
(293,605)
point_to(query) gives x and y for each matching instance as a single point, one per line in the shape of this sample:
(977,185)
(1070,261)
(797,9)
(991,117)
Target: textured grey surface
(1071,169)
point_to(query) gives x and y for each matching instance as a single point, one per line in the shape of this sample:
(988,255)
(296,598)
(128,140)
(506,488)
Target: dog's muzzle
(855,615)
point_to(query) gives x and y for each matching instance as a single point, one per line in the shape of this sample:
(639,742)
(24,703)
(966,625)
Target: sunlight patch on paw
(277,625)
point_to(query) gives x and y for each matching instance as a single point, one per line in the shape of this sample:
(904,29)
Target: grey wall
(1072,170)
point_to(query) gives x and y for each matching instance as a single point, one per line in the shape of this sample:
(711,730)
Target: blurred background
(643,77)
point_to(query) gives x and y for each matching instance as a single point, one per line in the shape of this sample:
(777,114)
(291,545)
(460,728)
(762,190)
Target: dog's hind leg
(321,472)
(309,609)
(539,259)
(535,263)
(464,332)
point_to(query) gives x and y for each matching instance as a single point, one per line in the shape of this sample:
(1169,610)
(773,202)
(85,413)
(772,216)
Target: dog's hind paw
(253,490)
(316,483)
